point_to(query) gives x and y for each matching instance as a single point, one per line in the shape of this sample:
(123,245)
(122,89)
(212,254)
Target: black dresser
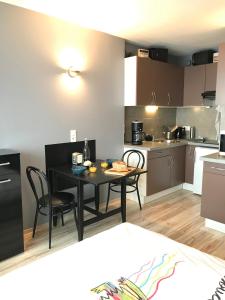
(11,221)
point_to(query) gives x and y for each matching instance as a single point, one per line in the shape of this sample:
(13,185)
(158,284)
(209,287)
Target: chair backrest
(134,158)
(61,154)
(39,185)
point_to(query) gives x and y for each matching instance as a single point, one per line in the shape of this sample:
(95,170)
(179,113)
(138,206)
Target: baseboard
(163,193)
(215,225)
(188,186)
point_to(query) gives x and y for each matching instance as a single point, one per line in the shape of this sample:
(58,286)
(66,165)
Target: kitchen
(173,135)
(45,109)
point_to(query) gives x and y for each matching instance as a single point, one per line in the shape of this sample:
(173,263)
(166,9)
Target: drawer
(10,196)
(158,153)
(9,164)
(214,168)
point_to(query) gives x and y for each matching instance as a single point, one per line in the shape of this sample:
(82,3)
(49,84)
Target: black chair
(131,182)
(47,204)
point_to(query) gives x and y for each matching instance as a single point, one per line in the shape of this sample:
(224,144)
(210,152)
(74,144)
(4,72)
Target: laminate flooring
(176,216)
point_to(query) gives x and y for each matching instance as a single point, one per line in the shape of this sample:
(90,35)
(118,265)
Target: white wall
(37,109)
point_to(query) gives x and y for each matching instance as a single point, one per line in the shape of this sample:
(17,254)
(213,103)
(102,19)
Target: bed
(125,262)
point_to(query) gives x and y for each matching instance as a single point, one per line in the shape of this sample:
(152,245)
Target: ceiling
(183,26)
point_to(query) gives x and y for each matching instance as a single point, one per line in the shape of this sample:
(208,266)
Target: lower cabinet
(11,221)
(159,174)
(177,165)
(166,169)
(213,191)
(189,164)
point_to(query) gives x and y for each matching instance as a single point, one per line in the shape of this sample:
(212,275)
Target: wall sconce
(72,72)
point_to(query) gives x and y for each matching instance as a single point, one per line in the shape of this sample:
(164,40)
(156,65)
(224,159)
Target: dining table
(97,179)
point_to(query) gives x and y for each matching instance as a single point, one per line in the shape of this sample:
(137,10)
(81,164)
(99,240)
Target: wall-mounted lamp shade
(72,72)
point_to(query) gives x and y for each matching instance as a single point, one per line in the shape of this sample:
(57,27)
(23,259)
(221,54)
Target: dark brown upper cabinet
(198,79)
(151,82)
(176,85)
(194,82)
(210,77)
(220,90)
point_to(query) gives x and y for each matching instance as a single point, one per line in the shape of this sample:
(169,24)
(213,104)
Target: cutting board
(116,172)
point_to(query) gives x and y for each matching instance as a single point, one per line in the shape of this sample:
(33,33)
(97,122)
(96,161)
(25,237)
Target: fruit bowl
(78,170)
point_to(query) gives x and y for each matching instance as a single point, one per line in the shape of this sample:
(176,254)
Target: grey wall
(154,123)
(204,120)
(37,109)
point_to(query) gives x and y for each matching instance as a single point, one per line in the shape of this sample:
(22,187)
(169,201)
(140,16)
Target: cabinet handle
(169,99)
(5,164)
(155,97)
(219,169)
(5,180)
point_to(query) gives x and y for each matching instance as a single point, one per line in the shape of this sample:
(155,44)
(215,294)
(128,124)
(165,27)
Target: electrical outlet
(73,135)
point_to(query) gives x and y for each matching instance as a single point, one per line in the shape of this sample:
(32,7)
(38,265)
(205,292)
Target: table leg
(55,220)
(97,197)
(80,210)
(123,200)
(50,175)
(52,186)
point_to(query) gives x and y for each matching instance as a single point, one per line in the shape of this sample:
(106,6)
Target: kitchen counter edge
(214,158)
(151,146)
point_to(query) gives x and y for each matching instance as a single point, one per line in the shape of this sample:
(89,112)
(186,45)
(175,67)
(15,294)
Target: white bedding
(152,266)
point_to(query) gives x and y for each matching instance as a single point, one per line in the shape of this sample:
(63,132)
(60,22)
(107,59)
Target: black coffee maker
(137,132)
(179,133)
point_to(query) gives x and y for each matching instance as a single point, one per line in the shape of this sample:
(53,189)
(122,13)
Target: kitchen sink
(205,141)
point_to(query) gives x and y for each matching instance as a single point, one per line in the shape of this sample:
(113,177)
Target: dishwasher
(198,167)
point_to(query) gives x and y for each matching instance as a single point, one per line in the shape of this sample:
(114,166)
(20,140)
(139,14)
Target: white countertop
(214,158)
(150,146)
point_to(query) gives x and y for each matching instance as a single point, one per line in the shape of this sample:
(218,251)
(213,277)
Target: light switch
(73,135)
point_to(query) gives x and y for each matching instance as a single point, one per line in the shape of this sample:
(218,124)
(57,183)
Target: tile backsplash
(202,118)
(154,123)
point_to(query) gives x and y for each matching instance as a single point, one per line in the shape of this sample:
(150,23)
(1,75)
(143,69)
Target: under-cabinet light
(151,108)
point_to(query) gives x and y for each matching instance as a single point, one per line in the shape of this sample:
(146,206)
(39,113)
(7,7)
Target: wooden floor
(176,216)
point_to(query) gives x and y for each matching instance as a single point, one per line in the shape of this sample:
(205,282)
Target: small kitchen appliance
(189,132)
(137,132)
(203,57)
(169,135)
(179,133)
